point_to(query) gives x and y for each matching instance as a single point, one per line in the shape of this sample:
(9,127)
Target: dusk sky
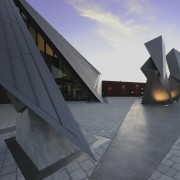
(111,34)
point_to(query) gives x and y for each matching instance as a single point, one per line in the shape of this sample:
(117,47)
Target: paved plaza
(102,120)
(131,142)
(146,136)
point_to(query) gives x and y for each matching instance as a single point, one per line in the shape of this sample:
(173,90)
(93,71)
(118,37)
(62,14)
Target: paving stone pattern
(102,120)
(169,168)
(79,169)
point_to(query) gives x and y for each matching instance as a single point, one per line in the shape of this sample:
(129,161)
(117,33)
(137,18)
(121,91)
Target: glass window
(49,51)
(67,73)
(69,85)
(55,55)
(33,32)
(24,17)
(57,73)
(40,42)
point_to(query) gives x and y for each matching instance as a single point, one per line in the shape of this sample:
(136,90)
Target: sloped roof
(82,67)
(25,75)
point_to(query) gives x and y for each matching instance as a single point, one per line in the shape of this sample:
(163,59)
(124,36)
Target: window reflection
(49,51)
(66,81)
(33,32)
(40,42)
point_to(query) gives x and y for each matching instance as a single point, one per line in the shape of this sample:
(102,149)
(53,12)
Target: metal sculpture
(173,60)
(157,90)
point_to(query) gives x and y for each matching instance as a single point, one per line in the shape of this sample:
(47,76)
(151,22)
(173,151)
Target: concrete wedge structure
(25,75)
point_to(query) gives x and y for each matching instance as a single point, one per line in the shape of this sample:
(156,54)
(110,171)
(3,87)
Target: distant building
(119,88)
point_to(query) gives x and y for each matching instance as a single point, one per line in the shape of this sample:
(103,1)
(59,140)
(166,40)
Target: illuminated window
(70,85)
(33,32)
(49,51)
(40,42)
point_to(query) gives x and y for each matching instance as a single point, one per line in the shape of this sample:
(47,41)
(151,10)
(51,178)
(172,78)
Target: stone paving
(102,120)
(169,168)
(80,169)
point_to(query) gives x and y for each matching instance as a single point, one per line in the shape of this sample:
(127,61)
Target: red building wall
(114,88)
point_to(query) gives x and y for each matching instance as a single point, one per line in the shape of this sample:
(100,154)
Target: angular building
(30,50)
(75,76)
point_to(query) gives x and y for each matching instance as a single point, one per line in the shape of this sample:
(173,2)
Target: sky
(111,34)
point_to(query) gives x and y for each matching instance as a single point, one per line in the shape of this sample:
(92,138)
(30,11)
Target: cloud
(115,31)
(134,6)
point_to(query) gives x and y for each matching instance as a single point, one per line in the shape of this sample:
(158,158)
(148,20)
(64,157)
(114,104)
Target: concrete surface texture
(42,143)
(8,118)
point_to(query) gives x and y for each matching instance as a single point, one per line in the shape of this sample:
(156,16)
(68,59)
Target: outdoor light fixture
(160,95)
(109,88)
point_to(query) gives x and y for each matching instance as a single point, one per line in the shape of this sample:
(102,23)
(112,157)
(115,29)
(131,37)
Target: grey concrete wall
(42,143)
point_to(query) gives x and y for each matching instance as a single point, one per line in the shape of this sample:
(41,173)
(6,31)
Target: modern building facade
(76,78)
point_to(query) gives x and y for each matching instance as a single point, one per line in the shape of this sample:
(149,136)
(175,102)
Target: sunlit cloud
(139,7)
(115,31)
(134,6)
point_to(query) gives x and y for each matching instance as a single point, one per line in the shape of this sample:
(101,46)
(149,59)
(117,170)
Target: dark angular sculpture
(27,79)
(157,90)
(173,60)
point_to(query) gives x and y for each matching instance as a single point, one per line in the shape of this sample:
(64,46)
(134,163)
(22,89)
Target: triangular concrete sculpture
(24,74)
(173,60)
(157,90)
